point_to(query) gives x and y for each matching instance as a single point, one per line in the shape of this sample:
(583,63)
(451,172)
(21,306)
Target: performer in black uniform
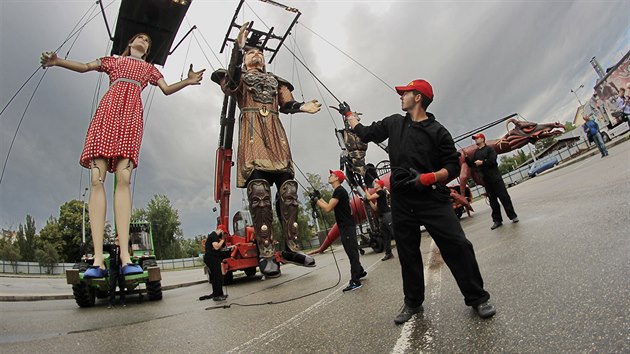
(116,278)
(423,156)
(213,258)
(385,215)
(485,161)
(340,203)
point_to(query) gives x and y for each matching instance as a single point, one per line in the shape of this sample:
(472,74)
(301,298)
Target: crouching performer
(264,155)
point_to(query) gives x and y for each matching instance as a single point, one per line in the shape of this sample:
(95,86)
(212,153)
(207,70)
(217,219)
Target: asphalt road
(559,279)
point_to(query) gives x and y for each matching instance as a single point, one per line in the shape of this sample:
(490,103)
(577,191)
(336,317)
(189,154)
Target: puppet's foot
(299,258)
(269,267)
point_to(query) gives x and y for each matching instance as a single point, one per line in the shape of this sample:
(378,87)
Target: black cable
(62,44)
(289,299)
(209,47)
(181,76)
(351,58)
(18,127)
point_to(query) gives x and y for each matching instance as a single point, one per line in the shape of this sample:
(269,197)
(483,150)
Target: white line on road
(404,342)
(257,344)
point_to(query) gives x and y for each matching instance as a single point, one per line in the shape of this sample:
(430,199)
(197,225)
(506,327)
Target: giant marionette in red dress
(114,136)
(264,155)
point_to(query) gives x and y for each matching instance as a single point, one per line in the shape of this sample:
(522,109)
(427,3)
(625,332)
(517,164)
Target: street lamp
(83,225)
(575,93)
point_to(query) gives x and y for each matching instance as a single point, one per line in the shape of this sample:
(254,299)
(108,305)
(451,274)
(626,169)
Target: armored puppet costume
(264,155)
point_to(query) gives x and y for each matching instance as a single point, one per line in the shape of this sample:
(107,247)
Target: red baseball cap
(479,135)
(222,227)
(380,182)
(421,86)
(339,174)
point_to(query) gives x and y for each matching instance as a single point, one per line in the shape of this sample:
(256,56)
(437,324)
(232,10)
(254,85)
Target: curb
(18,298)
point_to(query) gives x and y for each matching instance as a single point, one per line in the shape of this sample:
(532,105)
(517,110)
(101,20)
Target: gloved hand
(421,180)
(344,109)
(315,196)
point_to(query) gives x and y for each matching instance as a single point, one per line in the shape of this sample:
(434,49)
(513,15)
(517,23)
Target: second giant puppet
(264,155)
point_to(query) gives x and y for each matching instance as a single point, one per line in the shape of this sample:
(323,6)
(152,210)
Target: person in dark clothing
(423,156)
(213,258)
(340,203)
(116,278)
(485,161)
(378,202)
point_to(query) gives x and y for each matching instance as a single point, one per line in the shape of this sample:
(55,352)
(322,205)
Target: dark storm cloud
(485,59)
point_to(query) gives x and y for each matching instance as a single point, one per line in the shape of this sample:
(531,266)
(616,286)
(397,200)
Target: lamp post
(576,96)
(83,225)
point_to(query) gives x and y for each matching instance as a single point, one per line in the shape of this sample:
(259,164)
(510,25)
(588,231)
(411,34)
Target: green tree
(11,254)
(47,257)
(542,144)
(26,239)
(164,219)
(192,247)
(568,126)
(70,226)
(20,241)
(50,234)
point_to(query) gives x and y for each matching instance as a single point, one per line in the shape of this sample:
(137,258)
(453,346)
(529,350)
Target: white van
(609,133)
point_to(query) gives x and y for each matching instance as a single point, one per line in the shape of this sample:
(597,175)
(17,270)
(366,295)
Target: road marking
(434,277)
(257,344)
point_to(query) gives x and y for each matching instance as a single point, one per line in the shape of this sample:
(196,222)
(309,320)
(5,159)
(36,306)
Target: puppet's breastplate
(262,87)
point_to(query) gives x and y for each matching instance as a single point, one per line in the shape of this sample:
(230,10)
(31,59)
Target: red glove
(428,179)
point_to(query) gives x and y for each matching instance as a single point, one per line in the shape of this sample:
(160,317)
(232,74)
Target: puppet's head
(140,40)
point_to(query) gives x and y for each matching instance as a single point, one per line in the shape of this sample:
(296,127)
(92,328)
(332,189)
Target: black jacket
(426,146)
(489,170)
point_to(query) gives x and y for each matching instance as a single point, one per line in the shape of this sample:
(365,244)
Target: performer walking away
(423,155)
(340,203)
(114,136)
(264,155)
(485,161)
(591,128)
(115,277)
(379,202)
(213,258)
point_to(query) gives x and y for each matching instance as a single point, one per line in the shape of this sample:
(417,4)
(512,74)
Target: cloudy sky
(485,59)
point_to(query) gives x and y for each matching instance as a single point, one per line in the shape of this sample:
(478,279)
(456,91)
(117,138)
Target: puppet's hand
(312,106)
(195,77)
(48,59)
(242,35)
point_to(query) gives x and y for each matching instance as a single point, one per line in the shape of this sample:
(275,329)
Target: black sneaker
(206,297)
(387,256)
(496,225)
(485,310)
(406,312)
(353,285)
(363,275)
(220,298)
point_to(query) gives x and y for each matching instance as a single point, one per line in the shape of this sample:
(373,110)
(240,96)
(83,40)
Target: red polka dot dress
(115,132)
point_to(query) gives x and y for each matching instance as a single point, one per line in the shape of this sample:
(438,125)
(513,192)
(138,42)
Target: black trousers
(496,191)
(387,231)
(116,279)
(214,265)
(348,236)
(409,211)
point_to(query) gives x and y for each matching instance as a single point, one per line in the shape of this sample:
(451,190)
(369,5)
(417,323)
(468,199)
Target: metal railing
(519,175)
(34,268)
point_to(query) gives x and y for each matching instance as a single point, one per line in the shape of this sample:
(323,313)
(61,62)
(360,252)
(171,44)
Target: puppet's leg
(259,196)
(288,218)
(122,206)
(97,206)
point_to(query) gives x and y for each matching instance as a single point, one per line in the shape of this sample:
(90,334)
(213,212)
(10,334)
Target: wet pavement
(559,279)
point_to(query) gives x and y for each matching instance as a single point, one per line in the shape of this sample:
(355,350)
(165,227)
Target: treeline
(60,238)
